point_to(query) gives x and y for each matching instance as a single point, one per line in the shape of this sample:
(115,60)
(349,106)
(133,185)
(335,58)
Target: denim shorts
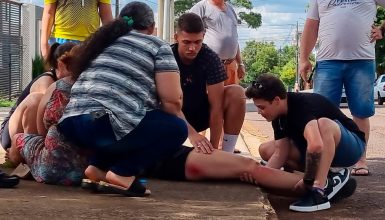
(357,76)
(349,150)
(61,40)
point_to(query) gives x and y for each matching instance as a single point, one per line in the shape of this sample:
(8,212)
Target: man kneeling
(311,135)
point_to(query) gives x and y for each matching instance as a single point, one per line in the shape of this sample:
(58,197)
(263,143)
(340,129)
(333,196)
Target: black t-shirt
(207,69)
(304,107)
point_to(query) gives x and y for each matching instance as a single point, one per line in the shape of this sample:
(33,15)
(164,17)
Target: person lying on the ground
(311,135)
(207,103)
(7,181)
(127,97)
(24,111)
(187,164)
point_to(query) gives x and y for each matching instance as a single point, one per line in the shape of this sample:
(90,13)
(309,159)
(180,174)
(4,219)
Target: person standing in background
(346,57)
(71,20)
(221,35)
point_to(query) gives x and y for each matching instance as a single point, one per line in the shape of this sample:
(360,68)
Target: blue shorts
(349,150)
(357,76)
(61,40)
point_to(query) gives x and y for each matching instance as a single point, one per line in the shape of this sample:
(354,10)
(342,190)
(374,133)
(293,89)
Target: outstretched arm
(215,95)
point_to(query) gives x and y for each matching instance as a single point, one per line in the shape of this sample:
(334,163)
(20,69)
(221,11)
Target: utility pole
(116,8)
(297,77)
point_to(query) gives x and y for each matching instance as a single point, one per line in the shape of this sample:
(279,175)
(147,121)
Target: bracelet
(241,64)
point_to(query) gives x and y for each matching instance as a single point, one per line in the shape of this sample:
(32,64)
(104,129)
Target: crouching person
(311,135)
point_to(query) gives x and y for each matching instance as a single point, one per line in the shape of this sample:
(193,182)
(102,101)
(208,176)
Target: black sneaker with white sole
(314,200)
(336,181)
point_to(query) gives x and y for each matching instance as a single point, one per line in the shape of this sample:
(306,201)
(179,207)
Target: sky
(279,19)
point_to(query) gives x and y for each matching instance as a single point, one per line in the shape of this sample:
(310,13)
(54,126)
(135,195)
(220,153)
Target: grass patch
(6,102)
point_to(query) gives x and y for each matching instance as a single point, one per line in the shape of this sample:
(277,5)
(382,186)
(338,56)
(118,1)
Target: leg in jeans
(328,80)
(358,80)
(158,136)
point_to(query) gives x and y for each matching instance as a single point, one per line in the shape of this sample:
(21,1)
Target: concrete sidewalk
(169,200)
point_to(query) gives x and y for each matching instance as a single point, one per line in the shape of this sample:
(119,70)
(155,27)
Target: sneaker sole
(340,186)
(347,190)
(310,208)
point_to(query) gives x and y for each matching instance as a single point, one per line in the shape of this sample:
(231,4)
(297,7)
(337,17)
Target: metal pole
(297,77)
(116,8)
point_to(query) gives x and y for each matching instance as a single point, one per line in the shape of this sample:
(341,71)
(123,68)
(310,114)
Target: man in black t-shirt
(207,103)
(311,135)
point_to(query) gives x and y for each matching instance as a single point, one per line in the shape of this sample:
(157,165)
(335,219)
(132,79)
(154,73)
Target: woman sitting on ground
(49,156)
(125,103)
(24,110)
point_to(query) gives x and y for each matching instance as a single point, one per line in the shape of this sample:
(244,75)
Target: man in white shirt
(346,56)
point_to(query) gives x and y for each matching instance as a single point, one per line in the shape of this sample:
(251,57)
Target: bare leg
(234,109)
(331,135)
(224,165)
(23,120)
(364,125)
(14,154)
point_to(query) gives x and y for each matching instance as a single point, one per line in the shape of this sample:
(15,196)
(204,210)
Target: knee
(234,93)
(194,171)
(328,128)
(180,131)
(264,150)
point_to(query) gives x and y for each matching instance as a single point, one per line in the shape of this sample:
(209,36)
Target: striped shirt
(121,81)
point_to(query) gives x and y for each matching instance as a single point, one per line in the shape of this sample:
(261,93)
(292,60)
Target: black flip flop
(135,190)
(7,181)
(90,185)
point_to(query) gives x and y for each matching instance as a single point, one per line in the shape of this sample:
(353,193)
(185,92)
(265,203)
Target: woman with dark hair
(125,103)
(25,110)
(49,157)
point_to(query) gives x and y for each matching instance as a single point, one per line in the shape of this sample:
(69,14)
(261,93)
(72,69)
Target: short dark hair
(266,87)
(190,23)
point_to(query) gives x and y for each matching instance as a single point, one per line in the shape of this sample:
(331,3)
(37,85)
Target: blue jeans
(158,136)
(357,76)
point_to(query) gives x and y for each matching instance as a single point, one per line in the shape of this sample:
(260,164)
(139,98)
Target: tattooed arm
(313,151)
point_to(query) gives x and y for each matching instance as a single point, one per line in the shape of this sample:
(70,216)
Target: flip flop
(88,184)
(355,169)
(135,190)
(7,181)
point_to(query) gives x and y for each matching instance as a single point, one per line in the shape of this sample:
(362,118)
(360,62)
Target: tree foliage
(259,57)
(252,19)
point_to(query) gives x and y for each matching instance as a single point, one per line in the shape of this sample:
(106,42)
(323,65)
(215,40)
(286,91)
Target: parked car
(379,89)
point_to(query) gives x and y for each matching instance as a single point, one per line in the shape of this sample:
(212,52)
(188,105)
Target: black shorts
(199,120)
(172,168)
(5,139)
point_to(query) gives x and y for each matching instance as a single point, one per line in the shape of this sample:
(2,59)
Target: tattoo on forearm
(312,163)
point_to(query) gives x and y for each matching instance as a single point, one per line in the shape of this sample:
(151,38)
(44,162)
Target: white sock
(229,141)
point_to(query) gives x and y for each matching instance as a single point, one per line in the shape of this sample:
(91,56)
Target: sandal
(7,181)
(88,184)
(355,173)
(135,190)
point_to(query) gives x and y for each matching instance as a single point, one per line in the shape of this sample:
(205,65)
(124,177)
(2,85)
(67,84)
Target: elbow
(172,106)
(314,148)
